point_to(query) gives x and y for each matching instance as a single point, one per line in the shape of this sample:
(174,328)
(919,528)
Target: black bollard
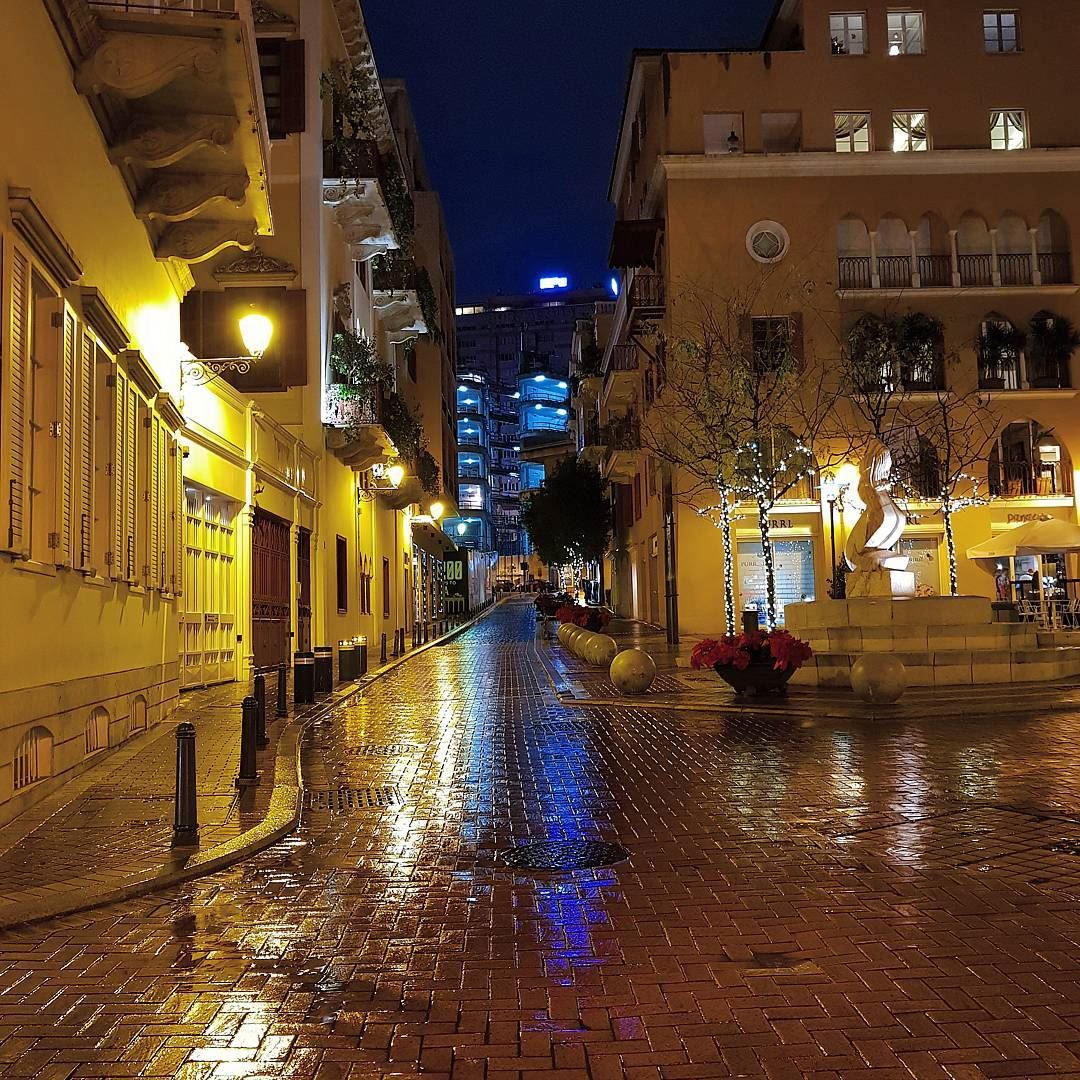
(282,690)
(346,661)
(186,817)
(304,678)
(260,712)
(382,649)
(324,669)
(361,652)
(248,775)
(396,653)
(426,626)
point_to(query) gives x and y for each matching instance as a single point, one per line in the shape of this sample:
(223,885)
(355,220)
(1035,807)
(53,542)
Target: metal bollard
(282,690)
(324,669)
(260,712)
(382,649)
(346,661)
(361,654)
(304,678)
(186,816)
(396,653)
(248,775)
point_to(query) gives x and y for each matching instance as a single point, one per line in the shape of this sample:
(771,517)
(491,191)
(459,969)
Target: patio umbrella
(1034,538)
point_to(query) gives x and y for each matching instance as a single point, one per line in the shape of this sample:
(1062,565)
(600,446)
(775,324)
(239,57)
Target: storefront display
(793,567)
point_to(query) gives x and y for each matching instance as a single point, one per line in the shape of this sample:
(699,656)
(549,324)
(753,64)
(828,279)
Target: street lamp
(437,509)
(395,474)
(256,331)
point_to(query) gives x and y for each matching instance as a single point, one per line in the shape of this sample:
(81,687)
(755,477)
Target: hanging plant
(1054,339)
(404,427)
(427,472)
(429,305)
(399,204)
(354,360)
(357,104)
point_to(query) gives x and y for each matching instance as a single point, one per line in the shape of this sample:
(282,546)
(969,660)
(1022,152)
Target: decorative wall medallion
(767,241)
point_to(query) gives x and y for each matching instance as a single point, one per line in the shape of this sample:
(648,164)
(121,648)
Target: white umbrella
(1034,538)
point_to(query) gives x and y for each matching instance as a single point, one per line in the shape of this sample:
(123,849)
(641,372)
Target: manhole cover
(343,800)
(564,855)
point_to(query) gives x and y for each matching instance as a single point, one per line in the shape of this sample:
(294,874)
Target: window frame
(903,16)
(341,558)
(996,14)
(846,15)
(1005,113)
(852,148)
(910,149)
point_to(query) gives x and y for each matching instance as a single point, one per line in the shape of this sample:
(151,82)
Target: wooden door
(270,580)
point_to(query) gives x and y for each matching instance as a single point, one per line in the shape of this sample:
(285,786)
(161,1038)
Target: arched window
(1014,250)
(1029,460)
(137,716)
(1052,343)
(1000,347)
(894,253)
(974,251)
(33,758)
(933,252)
(1055,249)
(97,730)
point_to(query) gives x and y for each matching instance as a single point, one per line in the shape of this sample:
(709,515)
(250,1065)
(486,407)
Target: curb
(282,815)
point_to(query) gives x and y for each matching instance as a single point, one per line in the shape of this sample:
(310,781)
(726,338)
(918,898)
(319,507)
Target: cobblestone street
(832,898)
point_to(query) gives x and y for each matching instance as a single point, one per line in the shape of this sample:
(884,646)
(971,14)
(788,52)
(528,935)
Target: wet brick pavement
(803,898)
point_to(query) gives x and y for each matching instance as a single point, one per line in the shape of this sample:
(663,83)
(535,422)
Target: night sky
(518,106)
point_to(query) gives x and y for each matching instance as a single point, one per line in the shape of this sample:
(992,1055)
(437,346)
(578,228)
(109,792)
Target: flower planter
(756,680)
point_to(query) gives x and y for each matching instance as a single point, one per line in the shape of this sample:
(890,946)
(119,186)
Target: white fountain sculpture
(877,569)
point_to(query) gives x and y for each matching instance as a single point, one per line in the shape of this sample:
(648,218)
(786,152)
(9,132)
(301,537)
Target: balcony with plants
(1038,357)
(886,355)
(400,293)
(354,401)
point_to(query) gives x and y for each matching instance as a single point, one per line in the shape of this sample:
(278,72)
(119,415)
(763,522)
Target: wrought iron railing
(1055,267)
(855,272)
(894,271)
(976,271)
(935,271)
(1015,269)
(1018,478)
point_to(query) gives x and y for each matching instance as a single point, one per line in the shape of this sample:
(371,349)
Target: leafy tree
(569,518)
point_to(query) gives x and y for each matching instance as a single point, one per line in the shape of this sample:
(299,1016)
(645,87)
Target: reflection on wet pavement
(802,898)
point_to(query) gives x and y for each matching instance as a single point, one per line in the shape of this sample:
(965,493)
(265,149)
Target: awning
(430,538)
(633,243)
(1034,538)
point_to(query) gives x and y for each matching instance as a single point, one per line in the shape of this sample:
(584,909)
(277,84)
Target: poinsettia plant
(589,618)
(779,649)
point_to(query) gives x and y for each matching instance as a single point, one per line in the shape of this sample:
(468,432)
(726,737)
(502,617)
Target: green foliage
(1053,338)
(429,305)
(404,427)
(400,205)
(569,518)
(354,360)
(427,472)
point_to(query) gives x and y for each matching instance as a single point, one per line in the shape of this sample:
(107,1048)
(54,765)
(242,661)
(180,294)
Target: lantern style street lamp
(256,331)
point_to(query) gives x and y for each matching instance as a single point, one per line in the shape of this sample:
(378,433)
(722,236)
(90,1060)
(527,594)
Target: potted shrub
(759,662)
(872,350)
(920,341)
(1053,340)
(999,346)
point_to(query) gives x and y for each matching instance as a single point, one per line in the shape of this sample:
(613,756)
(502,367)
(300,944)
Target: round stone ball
(602,650)
(632,671)
(564,631)
(879,678)
(581,643)
(571,638)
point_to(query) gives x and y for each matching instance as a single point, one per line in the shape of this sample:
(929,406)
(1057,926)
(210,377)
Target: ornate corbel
(195,241)
(137,64)
(177,196)
(160,141)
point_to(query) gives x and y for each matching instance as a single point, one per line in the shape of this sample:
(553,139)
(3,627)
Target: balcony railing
(352,159)
(225,8)
(935,271)
(592,433)
(1047,374)
(999,373)
(802,489)
(471,472)
(647,292)
(1055,267)
(895,271)
(346,407)
(624,434)
(623,358)
(1020,478)
(1015,269)
(856,272)
(918,376)
(977,271)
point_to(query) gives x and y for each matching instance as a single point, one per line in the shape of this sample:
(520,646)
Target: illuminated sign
(548,283)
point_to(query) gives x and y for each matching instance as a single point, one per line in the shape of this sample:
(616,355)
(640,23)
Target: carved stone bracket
(400,314)
(177,196)
(45,242)
(196,241)
(343,302)
(265,15)
(362,217)
(137,64)
(159,141)
(256,264)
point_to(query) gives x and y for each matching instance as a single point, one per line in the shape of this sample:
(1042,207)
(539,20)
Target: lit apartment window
(910,132)
(1008,130)
(848,32)
(1001,31)
(852,133)
(905,33)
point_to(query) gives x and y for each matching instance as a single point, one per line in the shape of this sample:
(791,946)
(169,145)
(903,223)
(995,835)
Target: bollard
(248,775)
(382,649)
(186,816)
(346,661)
(303,678)
(282,690)
(396,653)
(750,623)
(426,625)
(361,651)
(324,669)
(260,712)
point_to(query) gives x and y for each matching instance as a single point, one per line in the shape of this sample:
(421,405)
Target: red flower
(784,652)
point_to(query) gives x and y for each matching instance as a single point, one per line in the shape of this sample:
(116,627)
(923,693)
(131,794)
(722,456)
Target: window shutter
(293,351)
(177,518)
(293,86)
(85,440)
(14,415)
(65,464)
(118,555)
(129,460)
(152,484)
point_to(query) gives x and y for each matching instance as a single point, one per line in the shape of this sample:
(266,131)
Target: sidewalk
(106,834)
(678,686)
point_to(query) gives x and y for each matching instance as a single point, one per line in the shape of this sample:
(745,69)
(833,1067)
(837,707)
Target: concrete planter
(757,680)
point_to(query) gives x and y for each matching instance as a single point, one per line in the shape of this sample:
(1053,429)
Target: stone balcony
(354,189)
(354,427)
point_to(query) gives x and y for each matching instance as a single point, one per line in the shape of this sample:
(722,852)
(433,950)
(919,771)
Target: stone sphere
(879,678)
(571,638)
(632,671)
(602,650)
(564,632)
(581,643)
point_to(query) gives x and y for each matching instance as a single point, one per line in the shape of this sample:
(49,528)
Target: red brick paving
(803,898)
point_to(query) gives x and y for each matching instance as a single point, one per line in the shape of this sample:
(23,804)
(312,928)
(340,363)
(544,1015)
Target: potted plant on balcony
(1053,340)
(920,341)
(872,345)
(999,346)
(757,663)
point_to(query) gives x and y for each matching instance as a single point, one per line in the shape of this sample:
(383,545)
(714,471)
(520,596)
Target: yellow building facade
(181,508)
(885,162)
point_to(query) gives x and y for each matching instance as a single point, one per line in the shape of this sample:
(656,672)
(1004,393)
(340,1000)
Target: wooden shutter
(67,363)
(115,469)
(293,350)
(177,518)
(14,407)
(84,438)
(129,457)
(151,484)
(293,86)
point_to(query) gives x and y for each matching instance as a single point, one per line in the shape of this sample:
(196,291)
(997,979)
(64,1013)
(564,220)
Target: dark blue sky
(518,106)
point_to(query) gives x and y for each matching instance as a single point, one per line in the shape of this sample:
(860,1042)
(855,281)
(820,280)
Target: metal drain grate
(563,855)
(382,750)
(343,800)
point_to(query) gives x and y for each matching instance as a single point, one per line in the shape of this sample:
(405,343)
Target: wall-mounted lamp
(256,331)
(437,509)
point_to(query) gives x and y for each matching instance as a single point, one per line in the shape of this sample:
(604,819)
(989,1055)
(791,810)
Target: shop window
(793,567)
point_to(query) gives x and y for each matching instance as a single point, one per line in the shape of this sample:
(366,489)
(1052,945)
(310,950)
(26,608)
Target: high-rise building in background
(520,346)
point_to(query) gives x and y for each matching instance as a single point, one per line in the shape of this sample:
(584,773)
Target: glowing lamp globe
(462,528)
(395,474)
(436,510)
(256,330)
